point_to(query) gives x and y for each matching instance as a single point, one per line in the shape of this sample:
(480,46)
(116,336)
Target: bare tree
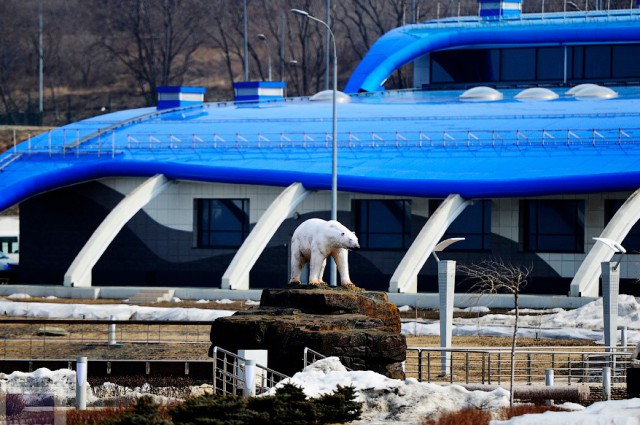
(153,39)
(496,276)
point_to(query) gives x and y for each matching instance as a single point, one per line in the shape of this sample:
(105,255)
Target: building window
(473,224)
(383,224)
(552,225)
(221,223)
(632,241)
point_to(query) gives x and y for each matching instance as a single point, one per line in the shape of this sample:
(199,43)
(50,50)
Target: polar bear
(316,239)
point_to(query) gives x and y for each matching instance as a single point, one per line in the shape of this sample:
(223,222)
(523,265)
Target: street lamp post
(334,157)
(264,38)
(610,292)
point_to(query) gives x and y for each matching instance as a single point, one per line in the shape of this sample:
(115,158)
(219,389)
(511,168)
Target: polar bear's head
(343,237)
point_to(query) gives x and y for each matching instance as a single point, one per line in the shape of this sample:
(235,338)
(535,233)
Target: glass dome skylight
(481,93)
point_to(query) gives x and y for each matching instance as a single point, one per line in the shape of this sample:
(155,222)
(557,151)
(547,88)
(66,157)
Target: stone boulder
(362,328)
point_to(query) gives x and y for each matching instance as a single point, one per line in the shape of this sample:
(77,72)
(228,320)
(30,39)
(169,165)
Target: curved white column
(79,273)
(405,278)
(585,282)
(237,274)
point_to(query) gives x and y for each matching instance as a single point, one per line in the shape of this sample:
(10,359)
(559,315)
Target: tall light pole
(264,38)
(326,59)
(334,157)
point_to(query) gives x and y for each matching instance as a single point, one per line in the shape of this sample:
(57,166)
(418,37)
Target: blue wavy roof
(407,143)
(404,143)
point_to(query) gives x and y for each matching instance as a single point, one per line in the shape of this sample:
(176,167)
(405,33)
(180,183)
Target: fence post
(623,338)
(249,389)
(549,381)
(549,377)
(81,383)
(528,368)
(606,383)
(112,331)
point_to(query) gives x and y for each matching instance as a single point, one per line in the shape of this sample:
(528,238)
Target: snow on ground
(584,323)
(392,400)
(105,311)
(386,400)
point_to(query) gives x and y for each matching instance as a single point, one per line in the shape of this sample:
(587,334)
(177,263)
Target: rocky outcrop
(362,328)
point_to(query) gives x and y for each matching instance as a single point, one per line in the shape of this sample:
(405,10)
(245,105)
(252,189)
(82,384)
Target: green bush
(289,405)
(338,406)
(216,410)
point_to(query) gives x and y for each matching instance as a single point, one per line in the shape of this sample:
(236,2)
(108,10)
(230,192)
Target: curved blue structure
(405,44)
(408,143)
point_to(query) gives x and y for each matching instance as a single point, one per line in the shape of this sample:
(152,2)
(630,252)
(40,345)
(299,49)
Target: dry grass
(473,416)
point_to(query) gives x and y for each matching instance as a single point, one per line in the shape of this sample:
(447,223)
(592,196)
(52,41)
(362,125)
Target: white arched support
(237,274)
(585,282)
(405,278)
(79,273)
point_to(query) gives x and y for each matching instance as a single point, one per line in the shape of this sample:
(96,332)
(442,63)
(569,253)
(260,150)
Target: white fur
(315,240)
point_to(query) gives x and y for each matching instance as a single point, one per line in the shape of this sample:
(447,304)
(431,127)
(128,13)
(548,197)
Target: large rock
(362,328)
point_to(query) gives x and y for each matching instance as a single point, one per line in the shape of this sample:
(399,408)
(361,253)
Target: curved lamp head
(261,37)
(615,246)
(300,12)
(442,245)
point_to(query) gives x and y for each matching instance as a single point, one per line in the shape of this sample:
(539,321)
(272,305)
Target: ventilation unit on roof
(500,9)
(481,93)
(592,90)
(327,96)
(536,93)
(177,96)
(259,91)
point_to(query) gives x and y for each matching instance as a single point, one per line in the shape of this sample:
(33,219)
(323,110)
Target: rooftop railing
(543,12)
(109,145)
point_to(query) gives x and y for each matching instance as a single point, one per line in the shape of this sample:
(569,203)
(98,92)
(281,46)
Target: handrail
(463,139)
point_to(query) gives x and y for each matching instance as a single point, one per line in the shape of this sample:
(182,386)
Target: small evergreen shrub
(339,406)
(216,410)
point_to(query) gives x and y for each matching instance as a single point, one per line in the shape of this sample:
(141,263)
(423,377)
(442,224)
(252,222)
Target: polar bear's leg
(342,262)
(316,268)
(297,264)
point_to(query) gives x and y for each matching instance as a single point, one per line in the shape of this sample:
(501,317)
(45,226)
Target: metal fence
(104,339)
(54,143)
(239,376)
(492,366)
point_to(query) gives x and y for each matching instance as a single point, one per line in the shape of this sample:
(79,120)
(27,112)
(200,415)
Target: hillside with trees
(106,55)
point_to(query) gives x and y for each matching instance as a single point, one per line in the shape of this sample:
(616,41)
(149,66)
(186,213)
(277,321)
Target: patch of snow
(252,302)
(393,400)
(474,309)
(176,300)
(405,308)
(202,301)
(18,296)
(224,301)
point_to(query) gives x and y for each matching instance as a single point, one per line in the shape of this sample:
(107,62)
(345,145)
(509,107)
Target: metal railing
(427,141)
(104,339)
(548,12)
(492,366)
(230,373)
